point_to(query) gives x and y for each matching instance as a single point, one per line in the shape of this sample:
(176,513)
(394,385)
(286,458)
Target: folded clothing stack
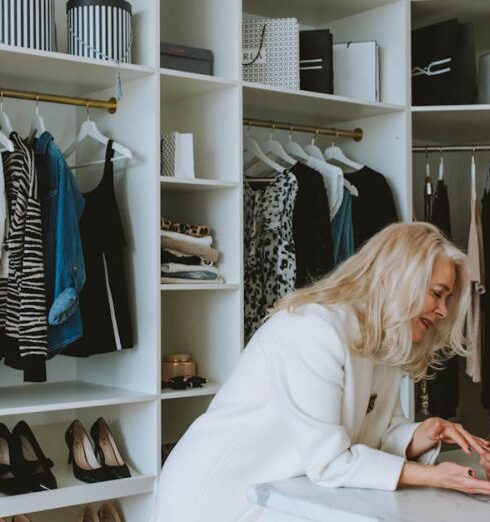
(187,254)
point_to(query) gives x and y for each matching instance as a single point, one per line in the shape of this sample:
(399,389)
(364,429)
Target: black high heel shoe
(82,457)
(107,451)
(30,464)
(9,482)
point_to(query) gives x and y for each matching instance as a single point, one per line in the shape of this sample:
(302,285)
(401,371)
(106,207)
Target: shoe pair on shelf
(83,458)
(106,513)
(23,466)
(17,518)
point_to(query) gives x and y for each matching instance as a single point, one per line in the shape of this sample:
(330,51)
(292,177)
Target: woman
(316,391)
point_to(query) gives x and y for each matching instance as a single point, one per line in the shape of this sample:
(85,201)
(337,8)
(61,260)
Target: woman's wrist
(415,474)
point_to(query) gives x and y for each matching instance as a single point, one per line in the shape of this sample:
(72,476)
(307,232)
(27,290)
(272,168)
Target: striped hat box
(99,29)
(28,23)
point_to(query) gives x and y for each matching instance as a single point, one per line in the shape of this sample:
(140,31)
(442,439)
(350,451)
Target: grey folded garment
(202,275)
(208,253)
(175,280)
(171,268)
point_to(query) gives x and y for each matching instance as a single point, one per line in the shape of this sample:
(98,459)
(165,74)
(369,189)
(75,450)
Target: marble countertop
(298,497)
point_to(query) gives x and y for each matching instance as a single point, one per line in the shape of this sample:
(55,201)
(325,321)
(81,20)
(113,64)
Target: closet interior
(446,137)
(205,320)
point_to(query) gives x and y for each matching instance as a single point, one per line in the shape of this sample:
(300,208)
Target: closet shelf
(72,492)
(35,398)
(211,388)
(451,124)
(308,108)
(170,184)
(178,85)
(198,286)
(68,74)
(310,12)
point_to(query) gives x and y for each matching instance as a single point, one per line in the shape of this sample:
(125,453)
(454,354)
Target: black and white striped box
(100,29)
(28,23)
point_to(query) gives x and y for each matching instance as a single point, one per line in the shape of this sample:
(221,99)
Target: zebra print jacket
(22,293)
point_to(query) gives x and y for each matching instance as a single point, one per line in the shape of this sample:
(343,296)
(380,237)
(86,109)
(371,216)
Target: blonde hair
(386,284)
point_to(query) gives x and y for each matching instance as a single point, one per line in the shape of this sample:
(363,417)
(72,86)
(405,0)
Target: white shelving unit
(204,320)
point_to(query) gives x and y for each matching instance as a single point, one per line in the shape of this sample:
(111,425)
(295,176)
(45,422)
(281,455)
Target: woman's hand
(485,463)
(449,475)
(446,475)
(435,430)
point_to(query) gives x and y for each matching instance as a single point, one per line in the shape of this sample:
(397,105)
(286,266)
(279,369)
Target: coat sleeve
(399,435)
(306,360)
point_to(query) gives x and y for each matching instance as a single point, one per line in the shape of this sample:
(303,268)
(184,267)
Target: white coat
(296,404)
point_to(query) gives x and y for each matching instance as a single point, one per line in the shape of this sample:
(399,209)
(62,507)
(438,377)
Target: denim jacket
(62,206)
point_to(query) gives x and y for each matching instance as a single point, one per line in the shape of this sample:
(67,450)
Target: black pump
(107,450)
(28,461)
(82,457)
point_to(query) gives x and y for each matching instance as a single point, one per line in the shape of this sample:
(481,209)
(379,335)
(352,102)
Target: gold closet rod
(355,134)
(109,105)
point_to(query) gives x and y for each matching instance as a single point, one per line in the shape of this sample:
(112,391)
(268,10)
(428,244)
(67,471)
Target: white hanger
(335,153)
(274,147)
(314,151)
(295,149)
(254,148)
(441,168)
(5,123)
(89,129)
(37,125)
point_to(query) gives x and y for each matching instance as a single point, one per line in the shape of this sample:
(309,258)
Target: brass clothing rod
(355,134)
(109,105)
(452,148)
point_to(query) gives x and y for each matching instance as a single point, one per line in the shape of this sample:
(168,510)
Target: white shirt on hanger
(333,178)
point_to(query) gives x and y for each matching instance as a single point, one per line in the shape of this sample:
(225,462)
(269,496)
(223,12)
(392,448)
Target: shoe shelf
(72,492)
(210,388)
(36,398)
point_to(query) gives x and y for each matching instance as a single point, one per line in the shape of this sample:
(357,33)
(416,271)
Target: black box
(315,61)
(189,59)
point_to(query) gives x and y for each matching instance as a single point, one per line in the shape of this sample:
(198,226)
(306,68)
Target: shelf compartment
(310,12)
(198,286)
(178,85)
(68,74)
(56,396)
(451,124)
(73,492)
(210,388)
(169,184)
(307,108)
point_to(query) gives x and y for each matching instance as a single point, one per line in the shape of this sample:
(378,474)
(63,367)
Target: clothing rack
(355,134)
(109,105)
(451,148)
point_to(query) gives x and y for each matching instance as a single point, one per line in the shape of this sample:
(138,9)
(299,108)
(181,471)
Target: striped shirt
(22,294)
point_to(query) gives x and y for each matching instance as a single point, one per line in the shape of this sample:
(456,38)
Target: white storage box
(100,29)
(28,23)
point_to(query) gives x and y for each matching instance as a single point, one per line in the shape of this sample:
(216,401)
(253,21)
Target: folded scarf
(208,253)
(203,241)
(175,280)
(184,228)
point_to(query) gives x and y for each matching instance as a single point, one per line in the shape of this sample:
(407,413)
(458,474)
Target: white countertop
(300,498)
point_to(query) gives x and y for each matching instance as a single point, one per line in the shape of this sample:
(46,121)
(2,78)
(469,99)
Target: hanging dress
(103,300)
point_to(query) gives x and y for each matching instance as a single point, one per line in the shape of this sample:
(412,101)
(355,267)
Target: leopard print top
(270,261)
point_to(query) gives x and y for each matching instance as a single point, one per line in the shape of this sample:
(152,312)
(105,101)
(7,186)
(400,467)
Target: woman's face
(441,286)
